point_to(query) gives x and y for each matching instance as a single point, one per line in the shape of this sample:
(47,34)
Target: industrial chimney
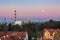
(14,15)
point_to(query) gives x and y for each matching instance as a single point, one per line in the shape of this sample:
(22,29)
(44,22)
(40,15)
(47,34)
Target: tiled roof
(12,35)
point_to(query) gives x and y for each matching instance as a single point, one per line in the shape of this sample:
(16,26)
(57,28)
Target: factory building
(19,22)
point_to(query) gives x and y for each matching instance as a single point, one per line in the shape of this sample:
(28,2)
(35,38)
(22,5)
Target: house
(51,33)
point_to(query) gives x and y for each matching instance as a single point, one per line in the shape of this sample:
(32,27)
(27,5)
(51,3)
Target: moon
(42,10)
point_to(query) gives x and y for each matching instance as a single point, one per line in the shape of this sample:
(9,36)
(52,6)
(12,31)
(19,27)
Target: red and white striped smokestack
(14,15)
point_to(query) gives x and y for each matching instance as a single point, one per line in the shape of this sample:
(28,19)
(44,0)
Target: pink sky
(31,10)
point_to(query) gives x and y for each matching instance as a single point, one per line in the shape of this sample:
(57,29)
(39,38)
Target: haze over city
(31,9)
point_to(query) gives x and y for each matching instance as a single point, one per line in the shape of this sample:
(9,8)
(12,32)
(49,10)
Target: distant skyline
(30,8)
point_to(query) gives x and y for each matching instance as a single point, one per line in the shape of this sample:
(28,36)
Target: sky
(30,8)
